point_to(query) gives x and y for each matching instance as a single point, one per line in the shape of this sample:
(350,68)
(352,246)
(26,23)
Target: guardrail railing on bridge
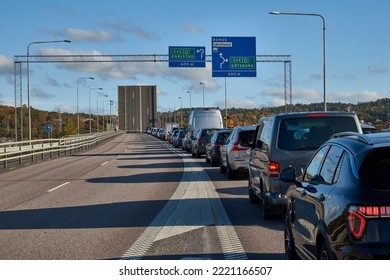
(18,151)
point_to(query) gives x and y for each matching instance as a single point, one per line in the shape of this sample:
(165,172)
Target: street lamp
(97,109)
(203,92)
(190,98)
(323,42)
(90,118)
(28,78)
(78,114)
(181,111)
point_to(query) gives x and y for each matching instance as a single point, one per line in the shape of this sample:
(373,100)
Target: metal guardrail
(20,151)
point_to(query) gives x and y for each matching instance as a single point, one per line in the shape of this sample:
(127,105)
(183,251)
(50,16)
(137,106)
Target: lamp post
(323,43)
(97,109)
(28,79)
(181,112)
(90,118)
(190,98)
(203,92)
(78,114)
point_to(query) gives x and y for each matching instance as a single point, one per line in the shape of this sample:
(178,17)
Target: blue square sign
(233,56)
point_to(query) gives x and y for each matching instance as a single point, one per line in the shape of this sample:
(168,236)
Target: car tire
(266,207)
(289,244)
(252,197)
(324,253)
(213,161)
(231,174)
(222,168)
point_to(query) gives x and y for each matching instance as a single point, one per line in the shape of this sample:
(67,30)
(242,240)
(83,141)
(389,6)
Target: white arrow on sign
(223,60)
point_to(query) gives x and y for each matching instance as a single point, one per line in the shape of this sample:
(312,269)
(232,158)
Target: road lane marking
(104,163)
(53,189)
(194,204)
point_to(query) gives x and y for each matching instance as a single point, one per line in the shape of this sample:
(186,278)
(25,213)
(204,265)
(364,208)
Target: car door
(301,222)
(317,195)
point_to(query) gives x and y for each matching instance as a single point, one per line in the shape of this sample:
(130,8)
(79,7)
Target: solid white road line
(53,189)
(194,204)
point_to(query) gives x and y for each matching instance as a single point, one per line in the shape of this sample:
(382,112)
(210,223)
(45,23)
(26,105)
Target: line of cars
(320,173)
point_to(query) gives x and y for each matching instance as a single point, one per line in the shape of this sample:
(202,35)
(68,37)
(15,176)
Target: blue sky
(357,50)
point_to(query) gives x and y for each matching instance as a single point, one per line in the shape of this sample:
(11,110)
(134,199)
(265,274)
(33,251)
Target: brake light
(273,168)
(356,223)
(201,140)
(358,215)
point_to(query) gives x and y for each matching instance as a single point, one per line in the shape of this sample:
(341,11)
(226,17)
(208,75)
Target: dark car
(340,207)
(201,139)
(178,140)
(213,152)
(367,128)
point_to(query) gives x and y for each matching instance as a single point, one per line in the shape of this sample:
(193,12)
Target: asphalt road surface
(133,197)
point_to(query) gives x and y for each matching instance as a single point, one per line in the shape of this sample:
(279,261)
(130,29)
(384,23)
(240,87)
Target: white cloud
(6,65)
(376,70)
(354,97)
(78,34)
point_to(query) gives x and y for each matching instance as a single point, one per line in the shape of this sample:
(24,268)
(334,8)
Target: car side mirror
(288,175)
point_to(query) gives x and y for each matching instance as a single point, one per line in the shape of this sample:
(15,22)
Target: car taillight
(273,169)
(201,140)
(358,215)
(237,149)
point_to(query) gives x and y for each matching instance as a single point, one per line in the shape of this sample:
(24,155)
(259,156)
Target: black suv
(201,139)
(340,207)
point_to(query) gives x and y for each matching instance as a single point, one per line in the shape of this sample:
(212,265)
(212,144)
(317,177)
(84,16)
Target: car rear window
(222,137)
(309,133)
(375,169)
(246,137)
(207,133)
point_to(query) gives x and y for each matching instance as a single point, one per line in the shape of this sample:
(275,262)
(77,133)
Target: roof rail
(354,135)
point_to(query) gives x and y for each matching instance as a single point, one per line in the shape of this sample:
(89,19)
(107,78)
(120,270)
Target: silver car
(234,156)
(285,140)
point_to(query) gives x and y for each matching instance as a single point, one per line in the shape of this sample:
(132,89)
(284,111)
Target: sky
(357,51)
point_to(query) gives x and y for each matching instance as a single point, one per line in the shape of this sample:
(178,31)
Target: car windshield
(374,171)
(309,133)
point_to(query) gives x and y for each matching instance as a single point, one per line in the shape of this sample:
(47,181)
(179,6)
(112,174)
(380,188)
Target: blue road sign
(48,128)
(187,56)
(233,56)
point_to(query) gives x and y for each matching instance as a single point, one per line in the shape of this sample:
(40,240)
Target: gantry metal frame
(20,59)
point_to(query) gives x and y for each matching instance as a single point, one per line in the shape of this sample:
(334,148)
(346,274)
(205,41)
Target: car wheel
(230,172)
(222,168)
(289,245)
(266,207)
(213,161)
(324,253)
(252,197)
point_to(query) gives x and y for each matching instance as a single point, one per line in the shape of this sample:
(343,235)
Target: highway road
(132,197)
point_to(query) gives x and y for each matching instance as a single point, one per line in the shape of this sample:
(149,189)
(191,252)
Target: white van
(204,118)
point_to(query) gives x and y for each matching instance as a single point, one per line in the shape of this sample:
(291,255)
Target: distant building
(137,107)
